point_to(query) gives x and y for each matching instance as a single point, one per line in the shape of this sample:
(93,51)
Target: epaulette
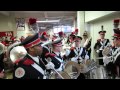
(50,55)
(17,61)
(28,62)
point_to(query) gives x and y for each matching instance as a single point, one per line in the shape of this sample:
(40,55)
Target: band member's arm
(71,54)
(117,64)
(96,46)
(65,56)
(51,61)
(50,65)
(84,54)
(106,60)
(88,46)
(67,53)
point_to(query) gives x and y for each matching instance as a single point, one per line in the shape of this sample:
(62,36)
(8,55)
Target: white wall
(92,15)
(80,22)
(7,23)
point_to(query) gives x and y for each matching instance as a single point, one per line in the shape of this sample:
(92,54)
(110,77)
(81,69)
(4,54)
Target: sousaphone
(16,52)
(73,69)
(54,75)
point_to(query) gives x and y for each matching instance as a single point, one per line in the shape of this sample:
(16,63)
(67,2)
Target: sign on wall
(7,34)
(20,23)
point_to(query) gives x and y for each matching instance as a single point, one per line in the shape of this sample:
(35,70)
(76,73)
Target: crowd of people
(46,55)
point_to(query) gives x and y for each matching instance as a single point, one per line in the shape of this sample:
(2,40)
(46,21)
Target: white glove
(97,51)
(86,57)
(80,59)
(50,65)
(67,52)
(106,60)
(74,59)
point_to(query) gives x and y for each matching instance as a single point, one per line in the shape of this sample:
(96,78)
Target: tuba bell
(16,52)
(73,69)
(54,75)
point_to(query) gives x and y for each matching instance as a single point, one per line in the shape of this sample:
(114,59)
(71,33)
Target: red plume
(76,30)
(61,33)
(32,21)
(116,21)
(44,33)
(73,33)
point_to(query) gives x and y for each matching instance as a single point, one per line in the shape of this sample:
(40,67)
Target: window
(65,29)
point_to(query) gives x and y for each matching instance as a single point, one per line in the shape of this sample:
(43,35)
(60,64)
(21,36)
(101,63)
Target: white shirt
(57,53)
(78,48)
(36,59)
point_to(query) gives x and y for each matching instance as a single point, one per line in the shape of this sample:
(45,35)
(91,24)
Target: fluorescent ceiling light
(48,21)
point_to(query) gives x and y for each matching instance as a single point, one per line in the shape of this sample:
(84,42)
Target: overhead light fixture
(48,21)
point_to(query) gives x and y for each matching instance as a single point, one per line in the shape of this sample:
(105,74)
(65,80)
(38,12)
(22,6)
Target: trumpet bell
(17,52)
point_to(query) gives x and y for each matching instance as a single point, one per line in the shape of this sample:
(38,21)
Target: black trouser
(110,68)
(101,60)
(81,76)
(89,53)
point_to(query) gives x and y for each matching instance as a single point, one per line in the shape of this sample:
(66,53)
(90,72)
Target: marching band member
(46,48)
(108,62)
(70,40)
(55,56)
(65,46)
(87,43)
(113,64)
(31,66)
(101,44)
(78,54)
